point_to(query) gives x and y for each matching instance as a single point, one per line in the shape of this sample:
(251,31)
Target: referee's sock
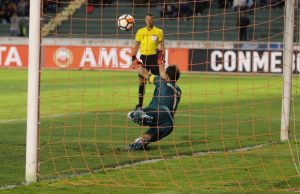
(141,95)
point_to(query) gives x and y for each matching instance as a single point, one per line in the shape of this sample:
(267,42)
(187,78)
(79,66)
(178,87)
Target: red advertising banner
(83,57)
(13,56)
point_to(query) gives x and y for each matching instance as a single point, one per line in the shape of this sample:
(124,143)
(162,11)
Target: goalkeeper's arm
(161,64)
(137,65)
(143,72)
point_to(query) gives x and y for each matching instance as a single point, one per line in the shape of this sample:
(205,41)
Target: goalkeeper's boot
(134,116)
(140,118)
(138,144)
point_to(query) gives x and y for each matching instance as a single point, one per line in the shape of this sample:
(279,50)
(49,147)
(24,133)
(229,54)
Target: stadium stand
(13,17)
(92,21)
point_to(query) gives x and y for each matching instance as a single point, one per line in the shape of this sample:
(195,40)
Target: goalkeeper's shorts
(160,121)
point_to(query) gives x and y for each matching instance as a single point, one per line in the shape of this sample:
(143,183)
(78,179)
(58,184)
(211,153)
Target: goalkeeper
(159,115)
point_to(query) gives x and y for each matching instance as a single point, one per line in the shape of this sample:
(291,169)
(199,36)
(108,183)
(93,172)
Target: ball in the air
(125,22)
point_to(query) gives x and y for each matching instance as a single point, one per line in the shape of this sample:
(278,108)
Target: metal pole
(287,68)
(33,91)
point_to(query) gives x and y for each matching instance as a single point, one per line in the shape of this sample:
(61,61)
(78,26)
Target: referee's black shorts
(150,63)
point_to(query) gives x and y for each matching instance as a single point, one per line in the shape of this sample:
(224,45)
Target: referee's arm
(137,43)
(162,43)
(136,48)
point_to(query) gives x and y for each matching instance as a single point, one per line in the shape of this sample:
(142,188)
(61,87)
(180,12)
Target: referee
(148,40)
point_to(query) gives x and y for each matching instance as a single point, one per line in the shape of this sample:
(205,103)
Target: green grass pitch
(84,130)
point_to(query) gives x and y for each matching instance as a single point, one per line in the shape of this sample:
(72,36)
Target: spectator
(201,6)
(14,25)
(9,11)
(239,5)
(139,3)
(14,1)
(242,25)
(2,14)
(49,6)
(168,11)
(153,3)
(90,8)
(102,3)
(250,4)
(278,3)
(107,2)
(22,7)
(184,9)
(263,3)
(22,26)
(225,3)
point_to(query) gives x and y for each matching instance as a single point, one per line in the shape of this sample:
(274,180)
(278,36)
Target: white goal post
(287,68)
(33,92)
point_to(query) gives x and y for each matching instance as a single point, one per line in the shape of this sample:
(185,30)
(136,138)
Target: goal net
(226,133)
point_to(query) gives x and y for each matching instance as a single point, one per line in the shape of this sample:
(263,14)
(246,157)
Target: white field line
(85,113)
(11,120)
(198,154)
(7,187)
(46,116)
(112,113)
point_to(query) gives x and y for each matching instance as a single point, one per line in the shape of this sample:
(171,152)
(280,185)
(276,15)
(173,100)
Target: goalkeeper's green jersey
(166,94)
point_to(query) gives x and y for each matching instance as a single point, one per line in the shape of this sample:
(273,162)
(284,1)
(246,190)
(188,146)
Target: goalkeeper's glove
(136,63)
(160,57)
(133,58)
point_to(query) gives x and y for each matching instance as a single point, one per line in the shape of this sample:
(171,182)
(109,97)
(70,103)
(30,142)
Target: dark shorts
(162,125)
(150,63)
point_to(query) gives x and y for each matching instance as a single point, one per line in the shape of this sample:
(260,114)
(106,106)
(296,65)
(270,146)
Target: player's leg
(153,134)
(160,127)
(143,118)
(164,127)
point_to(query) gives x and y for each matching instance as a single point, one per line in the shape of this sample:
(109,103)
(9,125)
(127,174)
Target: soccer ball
(125,22)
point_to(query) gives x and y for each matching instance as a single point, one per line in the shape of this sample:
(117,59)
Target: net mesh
(227,130)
